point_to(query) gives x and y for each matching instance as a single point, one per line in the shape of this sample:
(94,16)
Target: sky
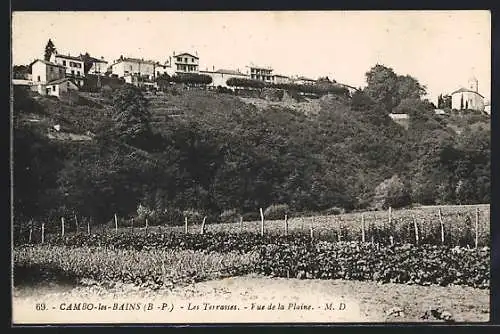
(441,49)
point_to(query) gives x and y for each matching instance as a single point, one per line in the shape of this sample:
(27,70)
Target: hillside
(211,152)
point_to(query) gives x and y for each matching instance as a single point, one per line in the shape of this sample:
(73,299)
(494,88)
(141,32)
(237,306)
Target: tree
(131,115)
(389,89)
(163,81)
(88,61)
(461,102)
(391,192)
(21,71)
(466,105)
(440,101)
(49,50)
(382,85)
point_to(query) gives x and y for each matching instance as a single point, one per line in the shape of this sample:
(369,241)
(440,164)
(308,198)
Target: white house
(125,66)
(99,66)
(263,73)
(282,79)
(55,87)
(468,98)
(74,66)
(186,63)
(303,81)
(220,77)
(60,87)
(43,71)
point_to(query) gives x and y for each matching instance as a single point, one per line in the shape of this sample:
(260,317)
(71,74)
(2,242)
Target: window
(185,60)
(54,88)
(192,60)
(179,59)
(78,72)
(38,78)
(64,62)
(72,72)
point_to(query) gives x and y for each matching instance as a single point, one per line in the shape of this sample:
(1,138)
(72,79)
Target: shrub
(193,215)
(276,211)
(229,216)
(391,192)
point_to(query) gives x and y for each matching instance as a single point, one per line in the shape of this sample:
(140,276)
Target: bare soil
(362,302)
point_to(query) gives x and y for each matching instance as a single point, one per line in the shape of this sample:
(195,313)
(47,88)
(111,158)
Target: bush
(251,216)
(391,192)
(229,216)
(193,215)
(276,211)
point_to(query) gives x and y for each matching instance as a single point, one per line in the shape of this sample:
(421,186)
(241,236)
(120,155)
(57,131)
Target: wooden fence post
(241,223)
(88,226)
(339,237)
(203,225)
(416,228)
(312,231)
(477,228)
(31,234)
(185,224)
(391,238)
(286,224)
(62,227)
(43,232)
(442,225)
(261,222)
(146,225)
(76,223)
(362,228)
(116,224)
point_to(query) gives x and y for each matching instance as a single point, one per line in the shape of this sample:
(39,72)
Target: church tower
(473,84)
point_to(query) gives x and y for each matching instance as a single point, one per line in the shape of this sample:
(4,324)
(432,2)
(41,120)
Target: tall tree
(49,50)
(131,115)
(462,102)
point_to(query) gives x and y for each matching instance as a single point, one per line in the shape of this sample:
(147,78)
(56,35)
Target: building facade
(304,81)
(186,63)
(43,71)
(134,66)
(99,66)
(262,73)
(74,67)
(282,79)
(468,98)
(221,76)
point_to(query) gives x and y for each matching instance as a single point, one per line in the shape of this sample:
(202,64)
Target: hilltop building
(186,63)
(263,73)
(99,66)
(50,79)
(74,67)
(468,98)
(220,77)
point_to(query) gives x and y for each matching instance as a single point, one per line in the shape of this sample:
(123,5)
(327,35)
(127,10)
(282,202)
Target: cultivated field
(418,279)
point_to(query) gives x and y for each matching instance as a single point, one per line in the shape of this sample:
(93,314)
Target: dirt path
(241,300)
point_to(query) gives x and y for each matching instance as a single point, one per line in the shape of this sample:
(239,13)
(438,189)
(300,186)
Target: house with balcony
(186,63)
(263,73)
(125,66)
(74,67)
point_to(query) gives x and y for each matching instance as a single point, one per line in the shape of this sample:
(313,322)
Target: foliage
(276,211)
(389,89)
(21,71)
(192,79)
(391,193)
(229,216)
(422,265)
(49,50)
(245,83)
(153,268)
(131,116)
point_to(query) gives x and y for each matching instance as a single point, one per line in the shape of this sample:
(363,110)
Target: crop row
(152,268)
(408,264)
